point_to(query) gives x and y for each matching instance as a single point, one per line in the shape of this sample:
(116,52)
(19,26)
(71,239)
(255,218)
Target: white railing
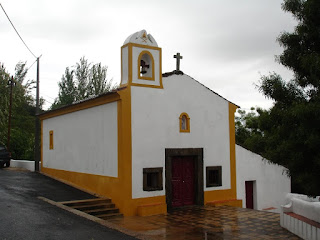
(301,216)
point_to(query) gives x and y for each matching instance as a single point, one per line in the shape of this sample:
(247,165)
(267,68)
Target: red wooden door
(182,181)
(249,194)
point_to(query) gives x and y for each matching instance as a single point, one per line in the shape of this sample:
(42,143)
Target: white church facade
(158,142)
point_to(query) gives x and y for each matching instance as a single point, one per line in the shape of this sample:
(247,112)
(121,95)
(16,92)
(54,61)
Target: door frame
(254,191)
(197,154)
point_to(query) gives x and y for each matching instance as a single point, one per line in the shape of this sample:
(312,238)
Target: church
(160,141)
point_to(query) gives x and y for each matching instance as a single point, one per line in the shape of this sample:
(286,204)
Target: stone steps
(99,207)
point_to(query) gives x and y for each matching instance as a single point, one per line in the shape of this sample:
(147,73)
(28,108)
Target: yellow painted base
(110,187)
(229,202)
(152,209)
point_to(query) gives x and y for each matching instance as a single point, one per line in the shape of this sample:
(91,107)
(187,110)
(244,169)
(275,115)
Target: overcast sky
(226,44)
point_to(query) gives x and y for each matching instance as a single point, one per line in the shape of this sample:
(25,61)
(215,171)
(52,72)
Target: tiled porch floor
(205,222)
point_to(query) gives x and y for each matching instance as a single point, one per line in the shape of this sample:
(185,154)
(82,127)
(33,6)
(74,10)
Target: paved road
(24,216)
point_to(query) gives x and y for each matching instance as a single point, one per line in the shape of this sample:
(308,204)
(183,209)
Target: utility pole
(11,84)
(37,134)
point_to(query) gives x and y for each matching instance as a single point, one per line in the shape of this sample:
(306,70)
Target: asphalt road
(24,216)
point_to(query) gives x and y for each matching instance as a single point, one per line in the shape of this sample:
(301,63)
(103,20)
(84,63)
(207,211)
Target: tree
(82,72)
(83,81)
(67,89)
(290,129)
(23,113)
(248,130)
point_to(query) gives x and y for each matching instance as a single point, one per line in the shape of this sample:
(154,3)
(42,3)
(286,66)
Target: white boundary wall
(306,207)
(29,165)
(271,183)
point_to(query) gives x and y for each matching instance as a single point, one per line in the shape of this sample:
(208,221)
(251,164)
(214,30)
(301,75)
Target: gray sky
(226,44)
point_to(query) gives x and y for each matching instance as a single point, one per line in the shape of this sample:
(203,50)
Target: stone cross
(178,57)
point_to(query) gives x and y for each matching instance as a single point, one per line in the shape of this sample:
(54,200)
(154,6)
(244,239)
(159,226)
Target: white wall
(272,183)
(29,165)
(124,65)
(85,141)
(155,127)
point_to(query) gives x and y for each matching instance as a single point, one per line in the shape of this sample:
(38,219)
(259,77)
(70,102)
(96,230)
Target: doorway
(249,194)
(182,181)
(184,177)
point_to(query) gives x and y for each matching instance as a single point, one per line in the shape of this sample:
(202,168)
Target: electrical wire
(33,95)
(17,31)
(31,65)
(48,96)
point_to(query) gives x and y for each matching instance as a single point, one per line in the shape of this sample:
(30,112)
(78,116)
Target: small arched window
(184,122)
(145,66)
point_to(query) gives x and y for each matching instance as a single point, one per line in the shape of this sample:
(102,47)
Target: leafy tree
(82,76)
(248,130)
(22,115)
(290,130)
(67,89)
(98,83)
(83,81)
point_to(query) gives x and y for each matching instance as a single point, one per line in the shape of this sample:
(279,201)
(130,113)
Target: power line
(32,64)
(48,96)
(17,31)
(33,95)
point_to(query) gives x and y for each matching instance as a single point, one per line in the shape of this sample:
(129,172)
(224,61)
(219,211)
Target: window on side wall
(152,179)
(51,140)
(214,176)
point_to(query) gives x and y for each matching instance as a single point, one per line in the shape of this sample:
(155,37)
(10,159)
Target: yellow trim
(188,122)
(215,195)
(141,46)
(232,137)
(146,85)
(81,106)
(152,209)
(152,63)
(51,140)
(228,202)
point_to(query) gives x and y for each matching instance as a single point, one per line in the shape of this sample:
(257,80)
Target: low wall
(301,216)
(29,165)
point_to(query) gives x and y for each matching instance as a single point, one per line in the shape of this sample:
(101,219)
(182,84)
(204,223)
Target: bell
(143,70)
(144,66)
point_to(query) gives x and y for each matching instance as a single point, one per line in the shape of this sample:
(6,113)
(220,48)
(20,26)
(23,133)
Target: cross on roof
(178,57)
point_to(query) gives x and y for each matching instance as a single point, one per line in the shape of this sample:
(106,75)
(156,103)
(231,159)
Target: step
(110,215)
(94,206)
(86,202)
(100,211)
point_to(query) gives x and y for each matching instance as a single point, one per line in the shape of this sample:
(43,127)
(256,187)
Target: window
(152,179)
(214,176)
(145,66)
(184,122)
(51,139)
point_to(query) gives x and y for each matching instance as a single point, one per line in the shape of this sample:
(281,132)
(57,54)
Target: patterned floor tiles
(204,222)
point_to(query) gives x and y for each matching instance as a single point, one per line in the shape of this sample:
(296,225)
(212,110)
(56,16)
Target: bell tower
(141,61)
